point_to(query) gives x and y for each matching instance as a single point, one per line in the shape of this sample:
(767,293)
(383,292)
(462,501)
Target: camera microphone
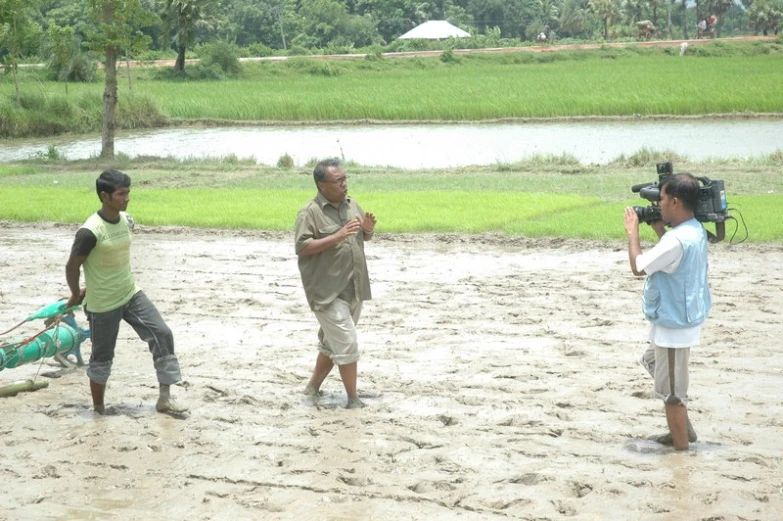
(637,188)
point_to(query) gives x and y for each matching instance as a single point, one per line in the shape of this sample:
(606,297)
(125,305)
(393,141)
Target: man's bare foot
(169,406)
(312,391)
(666,438)
(354,403)
(106,411)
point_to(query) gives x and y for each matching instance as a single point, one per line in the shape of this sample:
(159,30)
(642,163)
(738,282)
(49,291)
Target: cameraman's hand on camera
(631,221)
(659,227)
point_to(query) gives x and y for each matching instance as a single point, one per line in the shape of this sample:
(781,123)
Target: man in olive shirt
(330,234)
(102,246)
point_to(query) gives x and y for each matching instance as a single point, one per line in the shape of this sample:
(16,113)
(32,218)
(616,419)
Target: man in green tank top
(102,247)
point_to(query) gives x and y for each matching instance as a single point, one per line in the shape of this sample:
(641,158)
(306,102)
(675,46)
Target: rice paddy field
(543,196)
(482,89)
(715,78)
(540,197)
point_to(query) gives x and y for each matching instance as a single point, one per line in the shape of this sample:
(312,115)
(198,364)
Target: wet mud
(500,377)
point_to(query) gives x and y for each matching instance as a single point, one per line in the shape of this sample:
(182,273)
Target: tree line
(267,25)
(72,34)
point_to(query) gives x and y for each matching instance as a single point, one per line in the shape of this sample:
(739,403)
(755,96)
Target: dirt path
(554,47)
(500,377)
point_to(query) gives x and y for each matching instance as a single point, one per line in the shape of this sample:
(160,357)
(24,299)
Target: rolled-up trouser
(669,368)
(337,337)
(143,317)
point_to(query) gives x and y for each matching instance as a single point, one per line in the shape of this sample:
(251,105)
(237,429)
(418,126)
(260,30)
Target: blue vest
(681,299)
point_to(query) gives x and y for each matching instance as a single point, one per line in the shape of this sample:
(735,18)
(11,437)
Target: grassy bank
(540,197)
(713,78)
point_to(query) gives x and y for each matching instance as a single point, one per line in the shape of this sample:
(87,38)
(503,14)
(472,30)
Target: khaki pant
(337,337)
(669,368)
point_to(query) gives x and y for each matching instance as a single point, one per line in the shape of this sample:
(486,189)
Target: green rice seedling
(488,90)
(450,211)
(568,200)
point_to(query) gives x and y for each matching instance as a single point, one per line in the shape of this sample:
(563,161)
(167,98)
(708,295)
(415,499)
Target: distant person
(329,241)
(676,298)
(701,27)
(102,246)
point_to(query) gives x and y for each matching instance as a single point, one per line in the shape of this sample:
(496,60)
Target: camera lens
(648,214)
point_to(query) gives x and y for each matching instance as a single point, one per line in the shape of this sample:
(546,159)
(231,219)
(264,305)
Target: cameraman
(676,297)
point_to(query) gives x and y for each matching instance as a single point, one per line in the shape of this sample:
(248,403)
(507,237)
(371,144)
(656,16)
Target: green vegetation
(543,196)
(720,78)
(482,88)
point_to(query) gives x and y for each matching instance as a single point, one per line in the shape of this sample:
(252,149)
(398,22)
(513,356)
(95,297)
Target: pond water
(433,146)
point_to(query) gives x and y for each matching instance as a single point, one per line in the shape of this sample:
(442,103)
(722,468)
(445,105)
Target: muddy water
(434,146)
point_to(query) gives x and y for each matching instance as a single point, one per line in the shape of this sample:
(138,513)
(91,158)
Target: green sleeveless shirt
(110,283)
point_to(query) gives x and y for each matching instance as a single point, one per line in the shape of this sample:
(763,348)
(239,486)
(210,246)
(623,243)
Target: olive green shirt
(340,271)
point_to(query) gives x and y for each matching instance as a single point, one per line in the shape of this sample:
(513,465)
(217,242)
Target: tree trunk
(606,29)
(179,65)
(109,103)
(16,84)
(684,20)
(130,76)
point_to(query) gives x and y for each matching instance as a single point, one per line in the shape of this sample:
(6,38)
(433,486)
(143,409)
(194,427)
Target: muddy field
(500,377)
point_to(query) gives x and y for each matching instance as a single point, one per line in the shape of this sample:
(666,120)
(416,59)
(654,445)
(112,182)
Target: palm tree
(654,5)
(605,10)
(185,18)
(683,6)
(573,18)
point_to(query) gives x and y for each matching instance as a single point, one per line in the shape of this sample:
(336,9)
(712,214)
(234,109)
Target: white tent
(435,30)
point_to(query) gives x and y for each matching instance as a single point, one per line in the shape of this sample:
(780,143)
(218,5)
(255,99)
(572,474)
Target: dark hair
(319,174)
(110,180)
(684,187)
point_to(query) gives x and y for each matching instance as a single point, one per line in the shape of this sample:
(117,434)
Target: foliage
(266,27)
(326,22)
(66,59)
(448,56)
(19,34)
(51,154)
(182,22)
(286,162)
(116,28)
(606,11)
(766,16)
(49,114)
(223,56)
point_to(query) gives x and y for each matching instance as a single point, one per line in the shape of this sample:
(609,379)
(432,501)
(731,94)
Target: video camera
(712,205)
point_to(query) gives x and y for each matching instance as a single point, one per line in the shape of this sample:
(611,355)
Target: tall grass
(517,85)
(47,113)
(649,85)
